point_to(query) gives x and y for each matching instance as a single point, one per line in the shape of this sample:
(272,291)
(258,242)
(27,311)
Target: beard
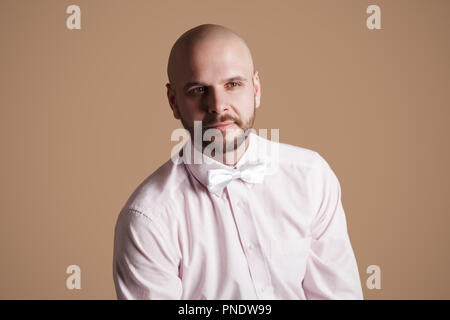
(228,140)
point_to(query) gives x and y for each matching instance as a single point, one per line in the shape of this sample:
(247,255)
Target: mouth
(221,126)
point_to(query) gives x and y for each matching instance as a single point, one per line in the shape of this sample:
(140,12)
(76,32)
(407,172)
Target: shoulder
(303,164)
(310,167)
(293,156)
(155,193)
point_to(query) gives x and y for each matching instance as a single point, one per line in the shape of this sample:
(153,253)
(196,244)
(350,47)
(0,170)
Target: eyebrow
(235,78)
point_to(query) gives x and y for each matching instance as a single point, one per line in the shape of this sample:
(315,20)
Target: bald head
(185,45)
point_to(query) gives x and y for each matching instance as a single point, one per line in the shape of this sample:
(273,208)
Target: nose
(216,101)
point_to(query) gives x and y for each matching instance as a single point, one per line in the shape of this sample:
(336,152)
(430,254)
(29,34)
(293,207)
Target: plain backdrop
(85,118)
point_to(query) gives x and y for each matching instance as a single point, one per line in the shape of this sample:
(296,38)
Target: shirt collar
(200,170)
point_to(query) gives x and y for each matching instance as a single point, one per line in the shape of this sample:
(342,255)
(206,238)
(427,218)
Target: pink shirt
(284,238)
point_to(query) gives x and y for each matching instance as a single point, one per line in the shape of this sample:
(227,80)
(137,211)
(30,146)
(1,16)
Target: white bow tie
(250,172)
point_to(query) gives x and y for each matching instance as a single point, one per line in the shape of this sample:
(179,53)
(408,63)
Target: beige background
(84,119)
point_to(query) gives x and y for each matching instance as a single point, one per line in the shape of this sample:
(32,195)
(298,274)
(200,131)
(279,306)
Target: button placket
(249,240)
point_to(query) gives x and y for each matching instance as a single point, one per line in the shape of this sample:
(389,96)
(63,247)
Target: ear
(172,101)
(257,89)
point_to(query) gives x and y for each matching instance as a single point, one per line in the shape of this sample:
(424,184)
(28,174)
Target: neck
(231,158)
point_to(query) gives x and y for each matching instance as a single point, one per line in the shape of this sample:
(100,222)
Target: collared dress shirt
(284,238)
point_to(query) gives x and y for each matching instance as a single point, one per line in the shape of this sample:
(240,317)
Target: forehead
(213,61)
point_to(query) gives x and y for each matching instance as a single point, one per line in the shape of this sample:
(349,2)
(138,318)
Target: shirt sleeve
(145,262)
(331,271)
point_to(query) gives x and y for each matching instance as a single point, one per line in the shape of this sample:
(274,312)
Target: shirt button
(240,204)
(251,247)
(261,289)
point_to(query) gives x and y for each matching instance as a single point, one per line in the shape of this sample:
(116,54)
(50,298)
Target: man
(247,226)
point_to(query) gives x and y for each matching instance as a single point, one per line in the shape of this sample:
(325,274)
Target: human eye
(196,90)
(233,84)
